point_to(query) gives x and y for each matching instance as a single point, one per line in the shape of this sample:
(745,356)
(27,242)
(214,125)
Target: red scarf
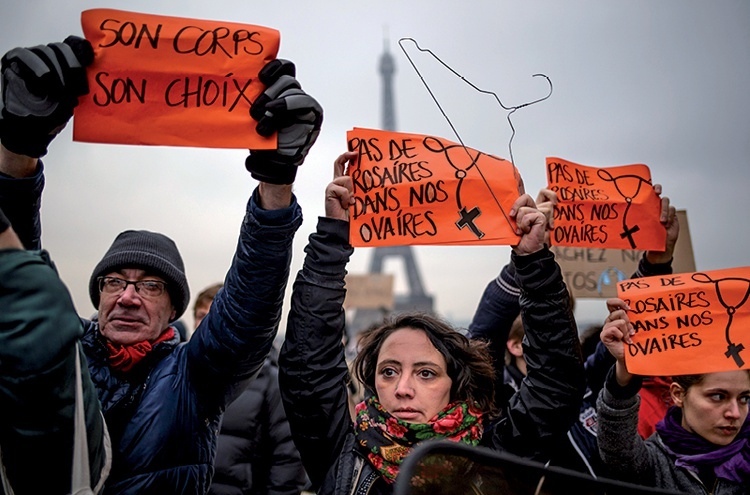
(124,357)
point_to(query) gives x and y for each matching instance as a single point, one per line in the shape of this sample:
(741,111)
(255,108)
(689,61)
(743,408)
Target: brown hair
(687,381)
(468,361)
(517,332)
(207,295)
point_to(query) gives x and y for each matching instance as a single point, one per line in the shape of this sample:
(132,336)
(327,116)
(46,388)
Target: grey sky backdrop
(665,83)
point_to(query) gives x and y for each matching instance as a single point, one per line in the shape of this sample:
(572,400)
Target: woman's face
(411,378)
(717,407)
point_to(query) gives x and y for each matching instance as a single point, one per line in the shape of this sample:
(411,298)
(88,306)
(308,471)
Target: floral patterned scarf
(386,440)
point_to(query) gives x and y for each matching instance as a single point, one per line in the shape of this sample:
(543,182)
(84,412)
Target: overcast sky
(665,83)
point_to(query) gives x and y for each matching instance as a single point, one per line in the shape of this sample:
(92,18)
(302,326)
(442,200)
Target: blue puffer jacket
(163,416)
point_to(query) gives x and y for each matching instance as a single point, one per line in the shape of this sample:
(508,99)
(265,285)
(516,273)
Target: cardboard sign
(594,272)
(161,80)
(614,208)
(416,189)
(689,323)
(370,291)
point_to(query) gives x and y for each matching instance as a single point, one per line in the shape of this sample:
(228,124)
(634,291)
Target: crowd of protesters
(126,403)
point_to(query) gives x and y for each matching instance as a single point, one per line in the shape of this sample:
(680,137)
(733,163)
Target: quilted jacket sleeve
(21,201)
(233,340)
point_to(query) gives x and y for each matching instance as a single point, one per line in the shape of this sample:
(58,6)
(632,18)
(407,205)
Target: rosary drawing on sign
(617,181)
(467,217)
(733,349)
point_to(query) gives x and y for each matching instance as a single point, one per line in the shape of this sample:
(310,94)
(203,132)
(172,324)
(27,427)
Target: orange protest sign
(417,189)
(172,81)
(594,272)
(688,323)
(614,208)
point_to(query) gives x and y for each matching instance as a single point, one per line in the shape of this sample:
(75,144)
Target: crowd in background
(128,401)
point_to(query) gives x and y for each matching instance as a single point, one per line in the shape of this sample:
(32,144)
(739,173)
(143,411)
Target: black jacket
(255,452)
(492,321)
(313,370)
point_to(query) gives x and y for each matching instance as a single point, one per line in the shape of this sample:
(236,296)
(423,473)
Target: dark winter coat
(497,309)
(163,416)
(37,382)
(256,454)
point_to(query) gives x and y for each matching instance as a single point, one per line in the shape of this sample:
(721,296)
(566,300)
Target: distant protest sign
(369,291)
(594,272)
(417,189)
(689,323)
(613,208)
(161,80)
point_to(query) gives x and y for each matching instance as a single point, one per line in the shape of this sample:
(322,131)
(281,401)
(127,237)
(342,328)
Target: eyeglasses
(146,288)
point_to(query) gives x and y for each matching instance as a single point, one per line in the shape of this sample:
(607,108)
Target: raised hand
(286,109)
(546,201)
(40,88)
(668,218)
(339,192)
(531,225)
(616,333)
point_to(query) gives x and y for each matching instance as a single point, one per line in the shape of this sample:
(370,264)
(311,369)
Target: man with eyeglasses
(161,400)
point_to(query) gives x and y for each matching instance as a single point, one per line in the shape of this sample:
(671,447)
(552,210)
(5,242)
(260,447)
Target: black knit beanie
(155,253)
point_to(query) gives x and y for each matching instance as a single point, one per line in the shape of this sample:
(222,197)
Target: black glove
(40,88)
(296,116)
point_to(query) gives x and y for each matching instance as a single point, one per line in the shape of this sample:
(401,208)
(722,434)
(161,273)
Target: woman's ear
(677,393)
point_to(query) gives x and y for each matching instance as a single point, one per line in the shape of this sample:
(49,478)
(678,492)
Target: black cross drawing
(467,220)
(733,349)
(628,232)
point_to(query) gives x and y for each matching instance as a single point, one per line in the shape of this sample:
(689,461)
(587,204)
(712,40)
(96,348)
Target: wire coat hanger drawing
(510,109)
(467,218)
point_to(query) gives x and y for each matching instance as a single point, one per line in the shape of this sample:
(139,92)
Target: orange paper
(415,189)
(173,81)
(689,323)
(614,208)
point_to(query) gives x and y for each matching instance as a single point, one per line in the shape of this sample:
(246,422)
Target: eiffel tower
(415,299)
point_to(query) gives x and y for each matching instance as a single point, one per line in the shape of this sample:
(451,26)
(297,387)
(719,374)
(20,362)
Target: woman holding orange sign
(424,379)
(703,443)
